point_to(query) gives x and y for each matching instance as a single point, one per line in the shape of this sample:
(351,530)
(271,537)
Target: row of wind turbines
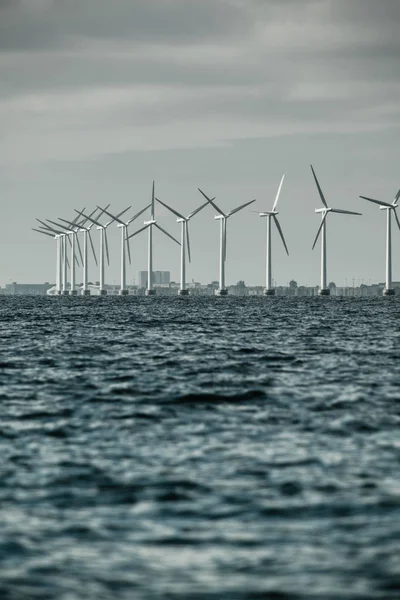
(66,232)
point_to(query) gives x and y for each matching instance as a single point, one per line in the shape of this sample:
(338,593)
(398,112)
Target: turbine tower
(184,221)
(150,291)
(125,242)
(388,290)
(324,290)
(272,214)
(223,217)
(103,245)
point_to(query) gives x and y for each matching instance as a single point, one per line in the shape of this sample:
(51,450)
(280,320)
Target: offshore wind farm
(65,232)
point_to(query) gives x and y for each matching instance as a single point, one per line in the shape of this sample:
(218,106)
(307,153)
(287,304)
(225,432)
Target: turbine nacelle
(322,210)
(268,213)
(181,220)
(218,217)
(151,222)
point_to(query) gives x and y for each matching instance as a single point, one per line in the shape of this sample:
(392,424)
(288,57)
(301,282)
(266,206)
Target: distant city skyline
(225,95)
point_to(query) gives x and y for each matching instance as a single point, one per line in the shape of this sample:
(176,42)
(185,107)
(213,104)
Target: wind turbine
(103,244)
(388,290)
(72,230)
(150,291)
(125,242)
(269,290)
(62,253)
(59,241)
(324,290)
(223,217)
(183,291)
(86,235)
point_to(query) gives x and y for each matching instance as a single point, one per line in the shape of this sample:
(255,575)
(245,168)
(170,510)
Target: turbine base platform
(150,292)
(85,292)
(183,293)
(324,292)
(102,292)
(73,292)
(221,292)
(388,292)
(123,292)
(65,293)
(269,292)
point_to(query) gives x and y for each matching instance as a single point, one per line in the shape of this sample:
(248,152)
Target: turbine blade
(116,218)
(321,195)
(91,243)
(113,217)
(211,201)
(128,245)
(166,233)
(44,232)
(73,224)
(106,243)
(79,247)
(235,210)
(397,218)
(397,196)
(379,202)
(198,210)
(69,240)
(138,214)
(152,202)
(319,230)
(175,212)
(280,232)
(76,218)
(138,231)
(224,234)
(89,218)
(58,225)
(278,193)
(186,224)
(67,261)
(344,212)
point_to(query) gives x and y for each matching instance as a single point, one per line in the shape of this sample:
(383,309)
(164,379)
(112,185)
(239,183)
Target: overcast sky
(100,97)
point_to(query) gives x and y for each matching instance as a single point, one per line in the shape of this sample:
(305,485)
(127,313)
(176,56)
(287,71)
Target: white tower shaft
(64,274)
(150,290)
(123,259)
(85,288)
(102,289)
(222,256)
(323,255)
(183,255)
(388,250)
(269,258)
(59,266)
(72,266)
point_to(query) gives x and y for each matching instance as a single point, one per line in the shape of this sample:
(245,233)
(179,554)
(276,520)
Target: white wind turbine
(125,242)
(150,291)
(64,263)
(388,290)
(269,290)
(59,241)
(72,231)
(103,245)
(324,290)
(86,234)
(223,217)
(185,242)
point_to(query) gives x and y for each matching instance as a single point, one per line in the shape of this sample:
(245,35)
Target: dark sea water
(183,448)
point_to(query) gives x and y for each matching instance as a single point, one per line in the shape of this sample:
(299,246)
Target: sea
(199,448)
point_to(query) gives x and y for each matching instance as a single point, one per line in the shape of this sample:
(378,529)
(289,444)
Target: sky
(100,98)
